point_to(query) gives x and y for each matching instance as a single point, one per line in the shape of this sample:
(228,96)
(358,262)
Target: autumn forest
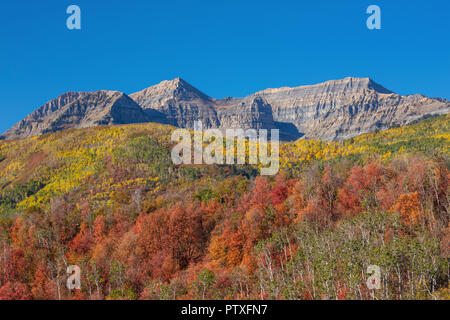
(109,200)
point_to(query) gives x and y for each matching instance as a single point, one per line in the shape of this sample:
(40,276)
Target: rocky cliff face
(79,110)
(332,110)
(340,109)
(251,112)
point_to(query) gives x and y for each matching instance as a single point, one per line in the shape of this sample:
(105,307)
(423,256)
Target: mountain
(179,102)
(79,110)
(182,104)
(340,109)
(333,110)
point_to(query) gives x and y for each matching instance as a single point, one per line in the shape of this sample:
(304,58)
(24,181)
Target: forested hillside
(110,200)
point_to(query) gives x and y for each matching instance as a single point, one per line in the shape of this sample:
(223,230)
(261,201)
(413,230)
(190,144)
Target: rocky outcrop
(333,110)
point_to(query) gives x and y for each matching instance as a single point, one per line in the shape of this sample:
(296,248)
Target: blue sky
(224,48)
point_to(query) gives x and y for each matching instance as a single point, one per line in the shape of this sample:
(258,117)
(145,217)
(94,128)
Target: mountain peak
(180,84)
(173,84)
(346,84)
(178,81)
(366,83)
(174,89)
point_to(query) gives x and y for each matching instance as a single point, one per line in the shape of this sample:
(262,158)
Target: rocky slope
(332,110)
(340,109)
(79,110)
(182,105)
(179,102)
